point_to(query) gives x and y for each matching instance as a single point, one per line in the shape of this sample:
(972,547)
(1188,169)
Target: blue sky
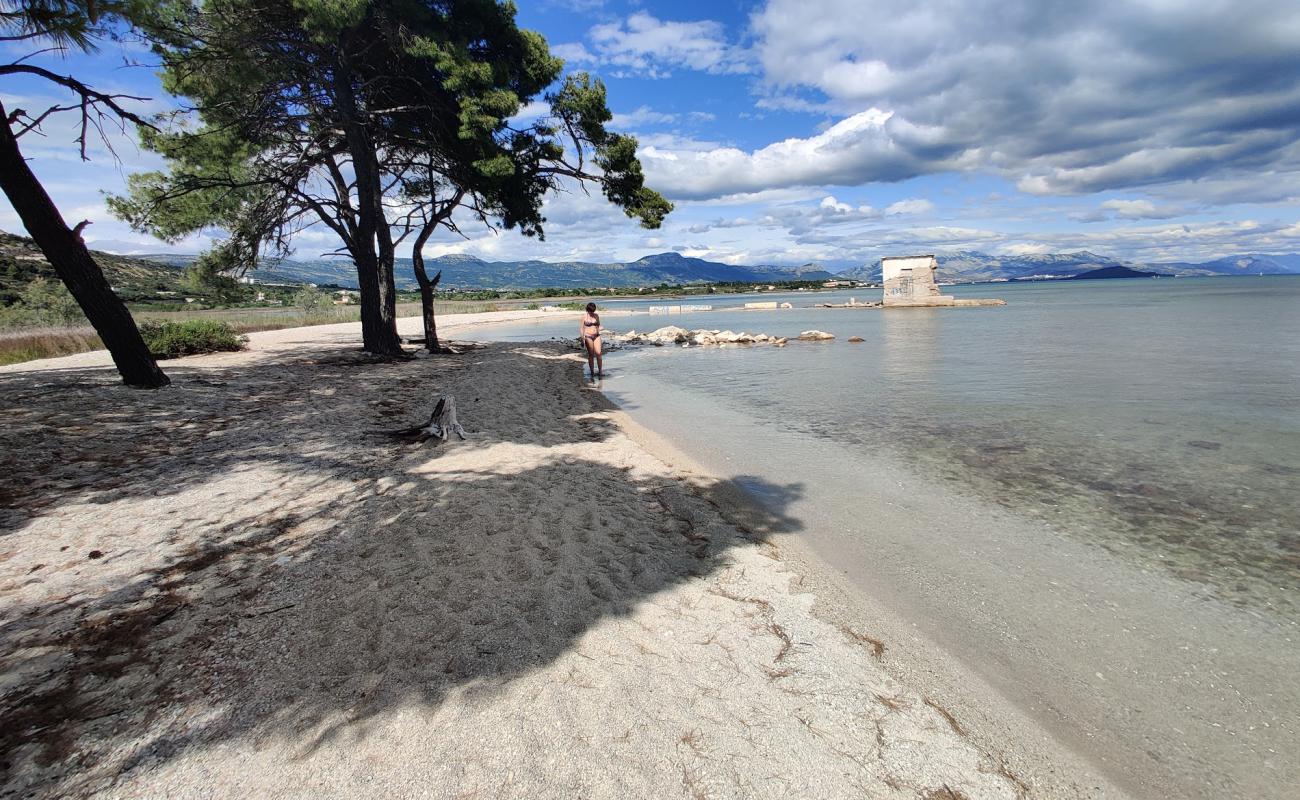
(838,131)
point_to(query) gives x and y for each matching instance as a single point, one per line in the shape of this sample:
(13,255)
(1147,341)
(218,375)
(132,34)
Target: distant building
(909,281)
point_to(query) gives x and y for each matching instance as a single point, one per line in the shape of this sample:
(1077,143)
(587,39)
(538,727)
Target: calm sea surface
(1159,419)
(1090,497)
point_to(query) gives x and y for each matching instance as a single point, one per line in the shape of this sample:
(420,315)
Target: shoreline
(987,716)
(269,595)
(1052,635)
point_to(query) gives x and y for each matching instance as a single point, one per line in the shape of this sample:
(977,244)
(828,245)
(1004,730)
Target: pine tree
(375,118)
(70,24)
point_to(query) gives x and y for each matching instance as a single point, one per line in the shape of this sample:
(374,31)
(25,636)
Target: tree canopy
(375,118)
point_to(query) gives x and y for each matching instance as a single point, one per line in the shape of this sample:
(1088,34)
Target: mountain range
(967,266)
(143,277)
(470,272)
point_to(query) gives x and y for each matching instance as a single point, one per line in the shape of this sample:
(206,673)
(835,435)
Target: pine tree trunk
(387,255)
(374,269)
(67,253)
(427,290)
(377,335)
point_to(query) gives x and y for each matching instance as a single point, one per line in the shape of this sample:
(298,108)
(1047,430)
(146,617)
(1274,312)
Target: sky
(840,131)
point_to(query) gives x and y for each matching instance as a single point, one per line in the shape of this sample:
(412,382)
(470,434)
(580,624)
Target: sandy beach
(242,586)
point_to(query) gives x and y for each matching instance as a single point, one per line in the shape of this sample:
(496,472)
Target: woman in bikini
(591,340)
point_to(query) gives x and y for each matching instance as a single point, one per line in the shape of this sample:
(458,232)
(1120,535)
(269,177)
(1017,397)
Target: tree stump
(441,425)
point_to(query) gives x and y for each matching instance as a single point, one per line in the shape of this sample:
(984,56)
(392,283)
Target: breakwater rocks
(675,335)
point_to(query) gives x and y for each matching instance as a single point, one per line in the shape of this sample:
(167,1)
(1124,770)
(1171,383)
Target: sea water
(1090,496)
(1156,418)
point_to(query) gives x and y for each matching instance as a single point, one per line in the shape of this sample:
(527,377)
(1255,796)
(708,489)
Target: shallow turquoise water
(1158,419)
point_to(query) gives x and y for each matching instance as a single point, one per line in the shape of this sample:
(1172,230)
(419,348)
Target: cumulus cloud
(645,46)
(578,6)
(1065,98)
(641,116)
(1023,249)
(1132,210)
(864,147)
(800,220)
(580,226)
(1189,241)
(911,205)
(722,223)
(573,53)
(530,112)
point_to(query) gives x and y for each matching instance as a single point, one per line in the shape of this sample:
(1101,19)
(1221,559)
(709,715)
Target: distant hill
(1112,272)
(470,272)
(968,266)
(1238,265)
(144,275)
(132,278)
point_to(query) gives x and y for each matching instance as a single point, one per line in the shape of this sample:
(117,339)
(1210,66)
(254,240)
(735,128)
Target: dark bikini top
(593,324)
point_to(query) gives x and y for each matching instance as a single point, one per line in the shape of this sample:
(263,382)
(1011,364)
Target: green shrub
(309,298)
(176,339)
(41,304)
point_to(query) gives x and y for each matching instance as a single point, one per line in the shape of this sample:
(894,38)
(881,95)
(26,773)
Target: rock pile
(814,336)
(675,335)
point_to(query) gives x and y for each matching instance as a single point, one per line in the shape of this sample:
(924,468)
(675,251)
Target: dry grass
(29,344)
(33,343)
(249,320)
(877,646)
(947,716)
(893,703)
(1001,768)
(944,793)
(779,632)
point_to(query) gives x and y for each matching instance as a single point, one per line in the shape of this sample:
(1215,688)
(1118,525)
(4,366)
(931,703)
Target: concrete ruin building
(909,281)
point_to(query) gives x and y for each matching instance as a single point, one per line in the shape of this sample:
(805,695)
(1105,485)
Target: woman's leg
(591,366)
(600,361)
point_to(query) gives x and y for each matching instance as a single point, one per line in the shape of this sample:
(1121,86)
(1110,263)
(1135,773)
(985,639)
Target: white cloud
(641,116)
(531,112)
(578,6)
(1131,210)
(912,205)
(573,53)
(1023,249)
(1064,99)
(646,46)
(856,150)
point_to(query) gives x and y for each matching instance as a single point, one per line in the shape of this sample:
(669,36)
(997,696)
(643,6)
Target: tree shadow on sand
(272,566)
